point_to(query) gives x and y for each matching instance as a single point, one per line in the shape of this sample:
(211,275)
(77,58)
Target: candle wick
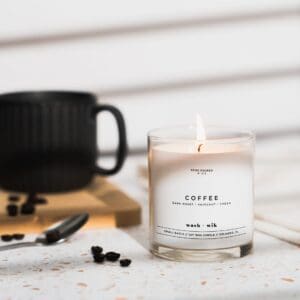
(199,147)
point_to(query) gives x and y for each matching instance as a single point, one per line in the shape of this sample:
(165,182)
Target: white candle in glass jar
(201,194)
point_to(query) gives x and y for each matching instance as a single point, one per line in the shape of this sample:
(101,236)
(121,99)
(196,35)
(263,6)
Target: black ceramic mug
(48,141)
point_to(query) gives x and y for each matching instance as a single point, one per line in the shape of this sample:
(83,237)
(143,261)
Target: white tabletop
(67,271)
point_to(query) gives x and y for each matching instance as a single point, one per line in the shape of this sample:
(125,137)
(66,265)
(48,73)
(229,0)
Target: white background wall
(160,62)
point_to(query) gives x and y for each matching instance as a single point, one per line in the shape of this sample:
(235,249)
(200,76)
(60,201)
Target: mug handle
(122,146)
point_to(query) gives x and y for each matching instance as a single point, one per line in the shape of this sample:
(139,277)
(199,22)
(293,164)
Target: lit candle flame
(200,132)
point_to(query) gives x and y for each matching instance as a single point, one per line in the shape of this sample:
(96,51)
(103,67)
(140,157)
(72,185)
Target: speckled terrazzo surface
(67,271)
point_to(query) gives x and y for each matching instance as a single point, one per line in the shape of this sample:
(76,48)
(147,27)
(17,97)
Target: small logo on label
(203,171)
(210,225)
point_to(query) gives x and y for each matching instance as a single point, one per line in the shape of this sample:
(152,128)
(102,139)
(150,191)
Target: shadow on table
(139,234)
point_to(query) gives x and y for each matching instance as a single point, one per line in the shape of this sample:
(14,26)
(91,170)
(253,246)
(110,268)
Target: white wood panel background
(236,62)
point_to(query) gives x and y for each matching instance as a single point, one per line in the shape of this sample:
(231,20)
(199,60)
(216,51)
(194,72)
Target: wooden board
(107,205)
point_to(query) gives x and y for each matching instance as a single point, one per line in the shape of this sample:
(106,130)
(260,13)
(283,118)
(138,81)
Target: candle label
(201,201)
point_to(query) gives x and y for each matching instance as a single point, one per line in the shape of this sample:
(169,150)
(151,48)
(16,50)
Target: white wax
(201,200)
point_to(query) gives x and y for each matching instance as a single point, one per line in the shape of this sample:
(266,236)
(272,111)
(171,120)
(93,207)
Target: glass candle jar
(201,193)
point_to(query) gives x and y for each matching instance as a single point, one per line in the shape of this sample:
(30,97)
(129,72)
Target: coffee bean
(13,198)
(99,258)
(27,208)
(12,210)
(125,262)
(112,256)
(18,236)
(96,250)
(31,198)
(6,237)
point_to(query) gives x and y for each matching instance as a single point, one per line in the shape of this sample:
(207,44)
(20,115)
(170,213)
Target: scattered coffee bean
(13,198)
(99,258)
(35,200)
(18,236)
(6,237)
(12,210)
(125,262)
(53,236)
(31,198)
(96,250)
(112,256)
(27,208)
